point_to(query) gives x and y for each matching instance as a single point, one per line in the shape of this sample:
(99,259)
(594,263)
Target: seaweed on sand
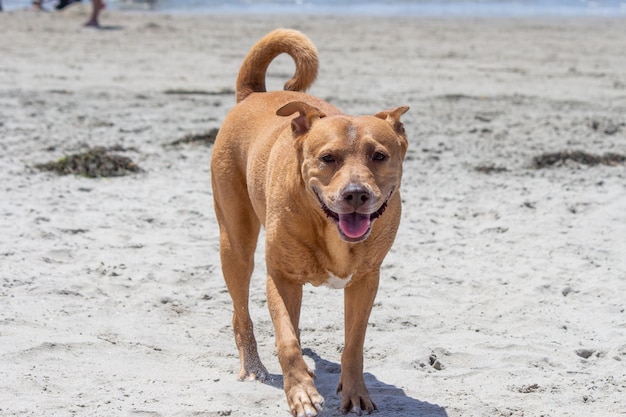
(93,163)
(580,157)
(205,138)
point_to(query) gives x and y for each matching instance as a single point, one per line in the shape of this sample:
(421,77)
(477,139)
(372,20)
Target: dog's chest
(335,282)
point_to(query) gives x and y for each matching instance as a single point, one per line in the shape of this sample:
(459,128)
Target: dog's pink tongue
(354,225)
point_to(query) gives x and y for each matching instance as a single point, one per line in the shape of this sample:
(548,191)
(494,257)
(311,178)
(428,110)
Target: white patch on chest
(337,283)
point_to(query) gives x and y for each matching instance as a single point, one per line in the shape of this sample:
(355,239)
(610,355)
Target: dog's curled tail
(251,78)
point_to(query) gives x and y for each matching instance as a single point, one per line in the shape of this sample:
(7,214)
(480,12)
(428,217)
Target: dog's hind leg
(239,231)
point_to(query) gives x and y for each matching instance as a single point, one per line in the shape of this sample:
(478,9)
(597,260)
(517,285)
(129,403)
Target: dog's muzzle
(353,227)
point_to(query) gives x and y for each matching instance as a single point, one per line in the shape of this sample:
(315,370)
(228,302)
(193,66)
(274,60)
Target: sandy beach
(504,294)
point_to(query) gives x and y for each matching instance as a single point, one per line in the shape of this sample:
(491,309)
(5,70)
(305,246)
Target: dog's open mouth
(353,227)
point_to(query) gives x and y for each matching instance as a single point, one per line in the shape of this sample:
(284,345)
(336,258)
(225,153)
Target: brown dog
(319,181)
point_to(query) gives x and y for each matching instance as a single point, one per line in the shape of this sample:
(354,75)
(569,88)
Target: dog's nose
(355,195)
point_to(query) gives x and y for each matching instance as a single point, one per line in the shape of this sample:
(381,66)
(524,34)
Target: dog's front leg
(284,302)
(358,302)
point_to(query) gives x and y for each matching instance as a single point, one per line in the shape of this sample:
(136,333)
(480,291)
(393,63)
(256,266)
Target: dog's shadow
(391,400)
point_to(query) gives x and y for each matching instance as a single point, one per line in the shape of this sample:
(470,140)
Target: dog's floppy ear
(308,115)
(393,117)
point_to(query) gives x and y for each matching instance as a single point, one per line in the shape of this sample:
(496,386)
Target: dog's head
(350,165)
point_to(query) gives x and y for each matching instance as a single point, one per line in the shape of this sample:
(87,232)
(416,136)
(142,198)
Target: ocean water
(436,8)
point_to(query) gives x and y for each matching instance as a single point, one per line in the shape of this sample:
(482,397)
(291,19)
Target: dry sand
(504,294)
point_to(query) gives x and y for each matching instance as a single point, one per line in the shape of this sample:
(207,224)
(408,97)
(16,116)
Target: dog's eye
(327,158)
(379,156)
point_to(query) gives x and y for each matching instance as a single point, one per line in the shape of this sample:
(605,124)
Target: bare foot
(97,6)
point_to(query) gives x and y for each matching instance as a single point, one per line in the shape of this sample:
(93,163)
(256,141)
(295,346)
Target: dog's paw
(356,401)
(304,400)
(255,372)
